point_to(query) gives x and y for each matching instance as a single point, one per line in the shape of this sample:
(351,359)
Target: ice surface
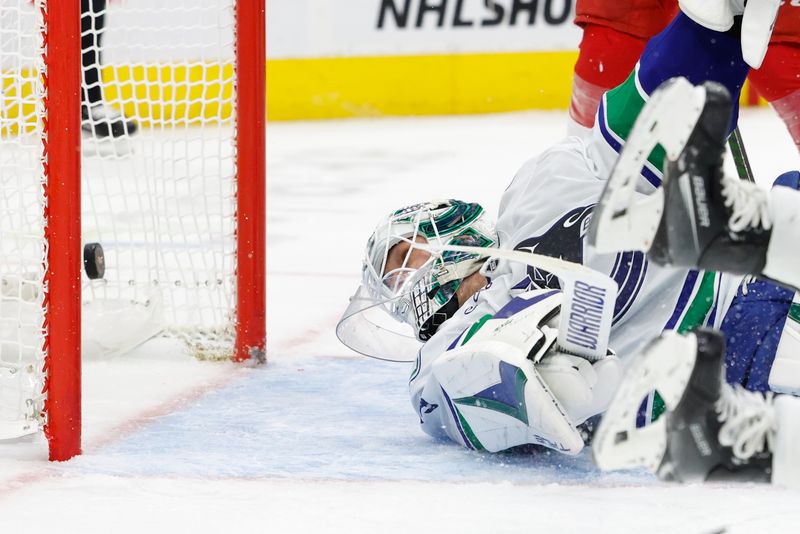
(320,440)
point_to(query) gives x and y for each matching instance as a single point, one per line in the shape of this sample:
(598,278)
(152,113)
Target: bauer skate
(624,219)
(699,217)
(711,431)
(711,221)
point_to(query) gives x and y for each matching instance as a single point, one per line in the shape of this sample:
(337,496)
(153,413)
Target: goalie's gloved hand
(583,388)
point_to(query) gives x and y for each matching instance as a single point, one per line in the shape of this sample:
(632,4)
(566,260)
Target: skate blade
(625,220)
(665,366)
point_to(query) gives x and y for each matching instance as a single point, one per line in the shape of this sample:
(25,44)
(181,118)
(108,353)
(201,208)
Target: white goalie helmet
(408,289)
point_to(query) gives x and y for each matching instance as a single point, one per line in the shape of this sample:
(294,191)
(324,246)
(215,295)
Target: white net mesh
(161,201)
(22,244)
(158,184)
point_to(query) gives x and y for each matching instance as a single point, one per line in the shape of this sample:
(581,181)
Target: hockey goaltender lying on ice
(514,349)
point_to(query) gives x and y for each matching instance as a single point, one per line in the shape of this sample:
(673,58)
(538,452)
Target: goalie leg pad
(784,376)
(781,261)
(785,461)
(498,400)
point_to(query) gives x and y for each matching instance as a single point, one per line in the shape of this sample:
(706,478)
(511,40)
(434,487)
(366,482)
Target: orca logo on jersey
(425,407)
(563,240)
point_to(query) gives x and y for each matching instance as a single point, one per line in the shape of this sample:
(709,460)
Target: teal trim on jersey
(473,439)
(794,312)
(519,412)
(701,304)
(475,327)
(417,367)
(623,105)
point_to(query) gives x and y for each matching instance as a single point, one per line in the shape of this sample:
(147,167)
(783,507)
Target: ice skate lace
(748,204)
(748,419)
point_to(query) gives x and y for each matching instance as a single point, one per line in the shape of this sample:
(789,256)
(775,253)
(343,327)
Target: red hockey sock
(778,75)
(606,59)
(585,101)
(779,82)
(788,108)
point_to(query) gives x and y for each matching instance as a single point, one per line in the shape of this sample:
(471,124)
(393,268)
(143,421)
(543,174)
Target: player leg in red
(777,80)
(614,36)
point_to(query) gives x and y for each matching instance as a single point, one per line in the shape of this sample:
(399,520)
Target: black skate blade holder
(666,366)
(625,219)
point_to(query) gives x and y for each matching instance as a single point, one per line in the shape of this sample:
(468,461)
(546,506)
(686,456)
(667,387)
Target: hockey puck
(94,261)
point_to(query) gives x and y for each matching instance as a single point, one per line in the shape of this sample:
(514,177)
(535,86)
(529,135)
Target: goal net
(167,100)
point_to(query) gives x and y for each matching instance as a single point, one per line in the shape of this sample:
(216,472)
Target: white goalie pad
(785,461)
(504,410)
(781,263)
(784,375)
(665,366)
(624,220)
(587,293)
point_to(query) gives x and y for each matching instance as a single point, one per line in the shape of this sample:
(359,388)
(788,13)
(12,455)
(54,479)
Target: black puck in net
(94,261)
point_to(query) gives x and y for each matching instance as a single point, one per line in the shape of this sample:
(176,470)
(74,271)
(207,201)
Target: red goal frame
(62,155)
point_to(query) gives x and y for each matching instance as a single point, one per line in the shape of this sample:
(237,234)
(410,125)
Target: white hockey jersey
(546,209)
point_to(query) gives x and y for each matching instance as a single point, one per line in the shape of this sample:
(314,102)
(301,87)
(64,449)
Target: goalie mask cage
(178,205)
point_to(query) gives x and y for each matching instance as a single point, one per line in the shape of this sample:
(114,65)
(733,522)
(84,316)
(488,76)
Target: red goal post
(194,305)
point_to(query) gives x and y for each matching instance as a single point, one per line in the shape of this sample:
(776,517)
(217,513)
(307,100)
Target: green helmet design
(423,296)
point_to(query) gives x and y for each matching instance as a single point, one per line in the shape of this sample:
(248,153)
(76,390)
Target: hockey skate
(624,219)
(710,220)
(699,217)
(711,431)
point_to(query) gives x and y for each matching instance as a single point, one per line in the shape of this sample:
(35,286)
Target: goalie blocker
(712,431)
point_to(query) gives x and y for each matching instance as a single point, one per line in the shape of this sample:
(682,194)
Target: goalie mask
(409,290)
